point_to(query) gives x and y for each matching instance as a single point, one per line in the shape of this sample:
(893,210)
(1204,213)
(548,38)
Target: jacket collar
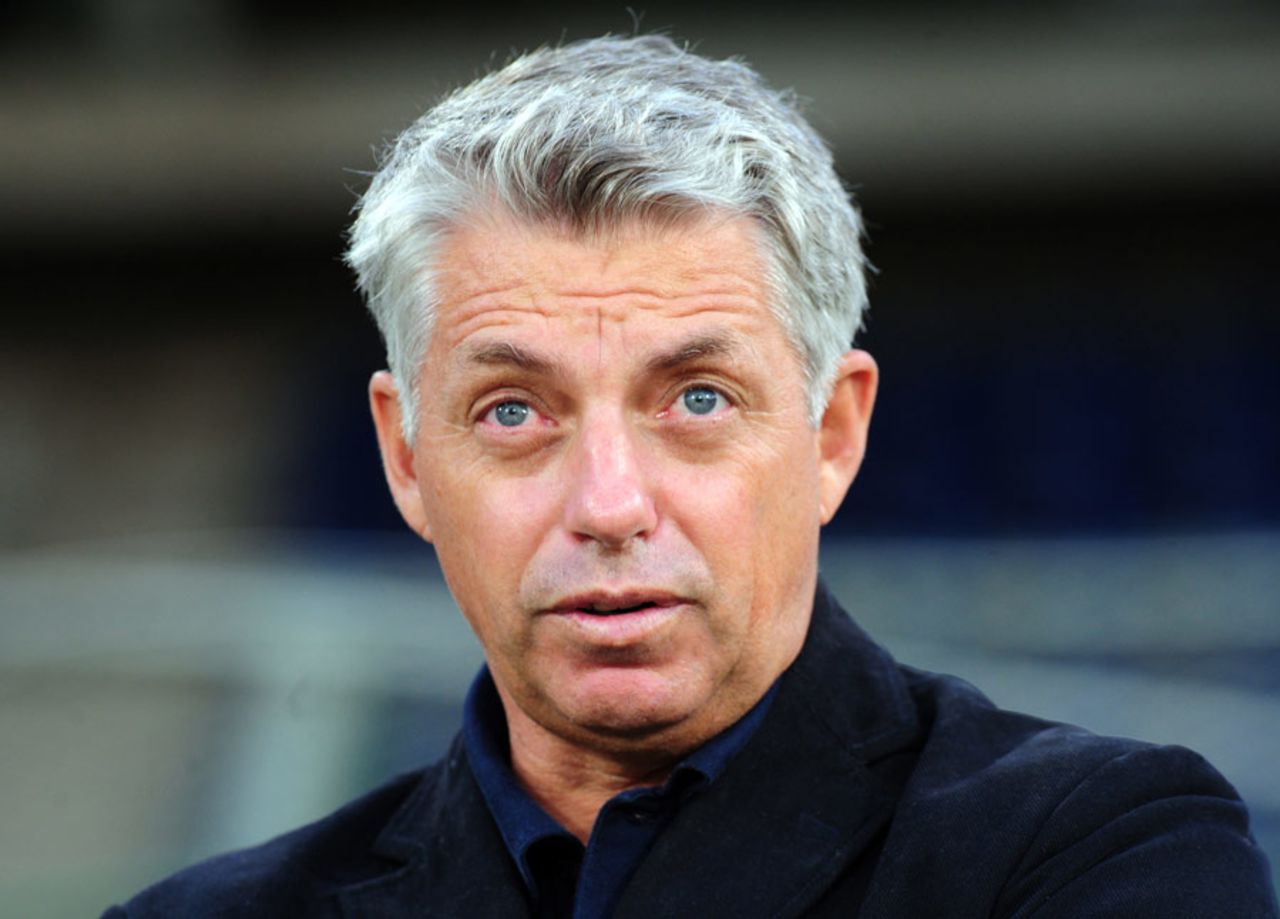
(809,775)
(450,859)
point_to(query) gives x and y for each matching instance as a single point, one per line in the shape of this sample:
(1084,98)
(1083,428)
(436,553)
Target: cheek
(489,513)
(721,511)
(761,523)
(746,497)
(487,529)
(713,500)
(490,520)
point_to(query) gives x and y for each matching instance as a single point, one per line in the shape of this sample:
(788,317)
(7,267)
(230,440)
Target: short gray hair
(596,132)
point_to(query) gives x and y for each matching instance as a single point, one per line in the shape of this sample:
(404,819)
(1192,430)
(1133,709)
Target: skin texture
(613,492)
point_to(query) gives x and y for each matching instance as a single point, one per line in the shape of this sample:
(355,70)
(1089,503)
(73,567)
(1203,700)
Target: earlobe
(397,455)
(842,435)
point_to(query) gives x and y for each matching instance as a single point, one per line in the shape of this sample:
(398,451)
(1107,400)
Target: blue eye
(511,414)
(701,400)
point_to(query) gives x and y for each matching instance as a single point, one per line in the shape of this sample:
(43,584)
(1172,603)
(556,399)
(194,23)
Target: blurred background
(211,625)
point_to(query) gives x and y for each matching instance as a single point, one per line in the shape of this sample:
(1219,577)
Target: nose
(610,500)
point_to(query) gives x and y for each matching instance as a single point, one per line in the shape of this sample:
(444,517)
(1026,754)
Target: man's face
(615,465)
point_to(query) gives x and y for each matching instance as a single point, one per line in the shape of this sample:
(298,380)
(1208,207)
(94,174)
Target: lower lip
(620,629)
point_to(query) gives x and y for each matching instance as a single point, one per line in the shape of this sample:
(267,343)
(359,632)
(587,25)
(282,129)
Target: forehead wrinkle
(651,291)
(599,339)
(618,308)
(462,323)
(487,292)
(458,328)
(670,282)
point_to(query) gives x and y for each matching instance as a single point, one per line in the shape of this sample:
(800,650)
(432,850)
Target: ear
(842,434)
(397,455)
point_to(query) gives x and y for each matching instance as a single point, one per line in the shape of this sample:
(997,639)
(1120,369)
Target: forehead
(636,279)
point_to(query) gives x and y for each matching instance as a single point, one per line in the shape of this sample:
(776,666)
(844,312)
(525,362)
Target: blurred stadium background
(211,626)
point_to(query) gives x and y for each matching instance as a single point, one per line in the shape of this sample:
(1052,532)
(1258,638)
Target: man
(618,285)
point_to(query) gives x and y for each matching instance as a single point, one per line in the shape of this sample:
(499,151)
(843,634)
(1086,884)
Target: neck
(572,783)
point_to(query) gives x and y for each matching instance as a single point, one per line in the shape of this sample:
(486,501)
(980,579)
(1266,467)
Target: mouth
(605,605)
(620,622)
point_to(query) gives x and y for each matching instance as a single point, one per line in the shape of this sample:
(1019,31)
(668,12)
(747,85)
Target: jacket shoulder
(1064,818)
(292,874)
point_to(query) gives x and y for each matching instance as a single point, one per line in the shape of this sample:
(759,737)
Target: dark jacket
(870,789)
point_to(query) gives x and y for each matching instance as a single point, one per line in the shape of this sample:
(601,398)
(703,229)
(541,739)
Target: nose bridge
(610,499)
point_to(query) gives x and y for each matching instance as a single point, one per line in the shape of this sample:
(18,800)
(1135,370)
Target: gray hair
(596,132)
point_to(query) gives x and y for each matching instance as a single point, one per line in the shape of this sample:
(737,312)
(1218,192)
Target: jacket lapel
(452,861)
(804,798)
(796,808)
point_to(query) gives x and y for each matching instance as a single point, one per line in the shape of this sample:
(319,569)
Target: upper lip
(612,600)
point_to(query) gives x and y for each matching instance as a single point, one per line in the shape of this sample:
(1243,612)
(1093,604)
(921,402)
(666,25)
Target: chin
(631,705)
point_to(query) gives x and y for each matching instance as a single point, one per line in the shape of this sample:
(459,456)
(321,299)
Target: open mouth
(596,610)
(604,605)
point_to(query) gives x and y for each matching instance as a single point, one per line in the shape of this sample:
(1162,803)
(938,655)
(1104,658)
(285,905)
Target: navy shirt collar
(521,821)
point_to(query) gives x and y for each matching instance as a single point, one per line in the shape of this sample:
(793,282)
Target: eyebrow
(507,354)
(692,351)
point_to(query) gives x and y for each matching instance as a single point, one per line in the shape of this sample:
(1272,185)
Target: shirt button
(641,814)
